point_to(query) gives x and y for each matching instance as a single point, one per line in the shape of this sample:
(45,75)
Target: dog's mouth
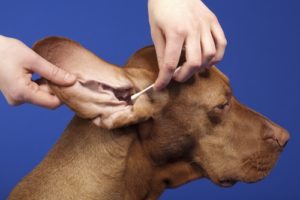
(226,182)
(258,165)
(254,168)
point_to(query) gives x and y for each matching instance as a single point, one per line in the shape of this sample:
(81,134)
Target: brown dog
(192,130)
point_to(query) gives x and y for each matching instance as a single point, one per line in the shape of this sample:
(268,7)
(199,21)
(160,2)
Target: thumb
(51,72)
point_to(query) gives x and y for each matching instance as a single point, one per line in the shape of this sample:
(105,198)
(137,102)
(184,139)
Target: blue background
(261,61)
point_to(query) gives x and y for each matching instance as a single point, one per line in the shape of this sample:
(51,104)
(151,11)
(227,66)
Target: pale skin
(17,64)
(175,24)
(184,23)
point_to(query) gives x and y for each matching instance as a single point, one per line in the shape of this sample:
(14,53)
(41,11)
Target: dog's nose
(281,136)
(278,136)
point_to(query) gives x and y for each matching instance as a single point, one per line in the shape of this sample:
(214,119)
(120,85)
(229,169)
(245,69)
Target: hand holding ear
(184,23)
(102,90)
(17,64)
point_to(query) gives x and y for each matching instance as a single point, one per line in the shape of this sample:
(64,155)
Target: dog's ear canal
(121,94)
(102,91)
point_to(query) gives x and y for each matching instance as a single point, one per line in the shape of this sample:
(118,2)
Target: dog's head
(198,124)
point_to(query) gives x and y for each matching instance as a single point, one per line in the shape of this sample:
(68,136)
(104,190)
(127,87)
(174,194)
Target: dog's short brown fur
(191,130)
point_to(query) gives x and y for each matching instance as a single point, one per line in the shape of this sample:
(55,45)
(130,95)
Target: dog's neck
(111,164)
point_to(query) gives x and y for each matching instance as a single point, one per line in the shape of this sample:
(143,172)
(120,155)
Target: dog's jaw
(145,179)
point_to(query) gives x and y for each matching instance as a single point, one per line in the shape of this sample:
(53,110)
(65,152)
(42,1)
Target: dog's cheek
(172,149)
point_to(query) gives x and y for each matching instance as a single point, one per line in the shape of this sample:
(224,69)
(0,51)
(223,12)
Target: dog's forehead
(216,81)
(209,87)
(220,74)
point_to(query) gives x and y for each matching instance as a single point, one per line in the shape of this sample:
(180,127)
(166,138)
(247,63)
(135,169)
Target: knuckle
(194,64)
(223,43)
(31,89)
(180,31)
(186,76)
(170,65)
(169,71)
(217,59)
(54,72)
(209,54)
(213,18)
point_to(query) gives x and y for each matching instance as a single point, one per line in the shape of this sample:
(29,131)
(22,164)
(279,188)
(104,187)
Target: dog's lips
(224,182)
(223,179)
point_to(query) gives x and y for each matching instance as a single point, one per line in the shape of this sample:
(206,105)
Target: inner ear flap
(105,105)
(121,94)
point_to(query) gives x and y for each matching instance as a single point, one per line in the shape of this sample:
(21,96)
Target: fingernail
(69,77)
(176,72)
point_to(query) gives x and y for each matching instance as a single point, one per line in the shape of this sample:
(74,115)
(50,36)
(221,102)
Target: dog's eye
(222,107)
(215,115)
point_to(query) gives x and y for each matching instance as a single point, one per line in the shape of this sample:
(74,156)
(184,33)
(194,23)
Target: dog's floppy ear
(102,91)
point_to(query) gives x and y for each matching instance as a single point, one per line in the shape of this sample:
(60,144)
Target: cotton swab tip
(133,97)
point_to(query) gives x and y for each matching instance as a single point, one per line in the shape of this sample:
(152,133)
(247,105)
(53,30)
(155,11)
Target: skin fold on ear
(102,91)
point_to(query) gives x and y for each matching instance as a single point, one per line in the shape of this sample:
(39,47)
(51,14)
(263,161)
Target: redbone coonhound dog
(118,149)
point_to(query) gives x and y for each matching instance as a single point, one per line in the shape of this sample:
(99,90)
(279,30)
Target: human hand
(184,23)
(17,64)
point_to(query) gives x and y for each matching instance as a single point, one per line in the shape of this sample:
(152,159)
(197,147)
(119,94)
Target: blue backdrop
(261,61)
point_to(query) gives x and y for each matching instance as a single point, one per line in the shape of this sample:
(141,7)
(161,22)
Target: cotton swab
(136,95)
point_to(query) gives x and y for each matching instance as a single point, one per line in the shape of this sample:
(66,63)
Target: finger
(172,53)
(44,86)
(208,47)
(193,59)
(35,95)
(160,44)
(42,83)
(51,72)
(220,41)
